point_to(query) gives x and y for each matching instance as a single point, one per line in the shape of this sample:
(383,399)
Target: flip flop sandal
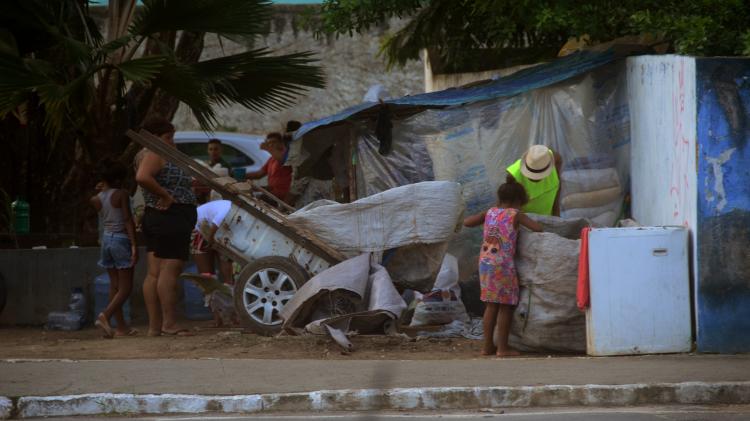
(104,327)
(131,332)
(178,332)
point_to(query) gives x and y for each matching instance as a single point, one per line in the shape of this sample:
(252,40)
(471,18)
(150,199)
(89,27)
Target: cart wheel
(263,289)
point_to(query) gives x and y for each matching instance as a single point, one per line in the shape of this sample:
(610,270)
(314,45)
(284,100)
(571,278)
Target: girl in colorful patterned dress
(497,271)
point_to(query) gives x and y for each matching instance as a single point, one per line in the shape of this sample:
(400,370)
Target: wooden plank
(225,180)
(242,187)
(352,164)
(246,201)
(279,203)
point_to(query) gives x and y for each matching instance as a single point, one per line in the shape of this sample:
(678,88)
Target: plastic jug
(101,299)
(77,303)
(195,307)
(21,216)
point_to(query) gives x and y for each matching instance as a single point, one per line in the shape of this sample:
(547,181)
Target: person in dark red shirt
(279,175)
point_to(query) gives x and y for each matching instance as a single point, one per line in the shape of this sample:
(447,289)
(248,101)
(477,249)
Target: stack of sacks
(595,194)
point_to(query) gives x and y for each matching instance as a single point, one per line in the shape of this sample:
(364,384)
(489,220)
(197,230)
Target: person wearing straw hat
(537,171)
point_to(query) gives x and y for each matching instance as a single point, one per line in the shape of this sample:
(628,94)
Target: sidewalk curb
(442,398)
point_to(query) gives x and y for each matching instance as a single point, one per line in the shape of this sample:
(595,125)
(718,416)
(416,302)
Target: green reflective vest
(541,193)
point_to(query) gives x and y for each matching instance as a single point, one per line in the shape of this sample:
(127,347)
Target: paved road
(230,377)
(737,413)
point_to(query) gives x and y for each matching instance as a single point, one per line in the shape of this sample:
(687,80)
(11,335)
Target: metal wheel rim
(266,293)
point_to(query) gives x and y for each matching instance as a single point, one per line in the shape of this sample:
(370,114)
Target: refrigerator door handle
(659,252)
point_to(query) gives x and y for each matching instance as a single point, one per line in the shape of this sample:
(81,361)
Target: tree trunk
(141,103)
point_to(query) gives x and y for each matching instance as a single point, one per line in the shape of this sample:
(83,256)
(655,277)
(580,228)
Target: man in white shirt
(210,217)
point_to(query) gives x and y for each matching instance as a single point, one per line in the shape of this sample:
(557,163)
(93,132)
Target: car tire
(264,287)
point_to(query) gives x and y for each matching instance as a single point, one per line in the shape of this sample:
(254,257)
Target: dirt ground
(37,343)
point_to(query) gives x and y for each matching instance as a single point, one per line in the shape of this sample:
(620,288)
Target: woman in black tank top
(168,220)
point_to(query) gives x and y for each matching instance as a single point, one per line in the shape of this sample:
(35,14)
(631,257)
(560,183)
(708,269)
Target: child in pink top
(497,270)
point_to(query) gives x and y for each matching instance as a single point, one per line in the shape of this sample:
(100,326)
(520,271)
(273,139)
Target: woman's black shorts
(168,232)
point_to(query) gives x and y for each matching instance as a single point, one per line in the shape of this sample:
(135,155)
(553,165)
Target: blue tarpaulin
(516,83)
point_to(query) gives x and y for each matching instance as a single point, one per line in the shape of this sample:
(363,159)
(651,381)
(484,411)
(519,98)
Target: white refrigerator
(639,291)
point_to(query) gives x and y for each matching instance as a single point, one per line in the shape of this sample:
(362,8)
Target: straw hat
(537,163)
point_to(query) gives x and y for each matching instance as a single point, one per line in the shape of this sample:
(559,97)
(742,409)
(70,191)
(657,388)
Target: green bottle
(21,216)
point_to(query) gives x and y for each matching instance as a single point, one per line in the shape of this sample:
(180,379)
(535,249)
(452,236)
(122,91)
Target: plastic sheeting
(584,119)
(368,284)
(408,162)
(534,77)
(583,116)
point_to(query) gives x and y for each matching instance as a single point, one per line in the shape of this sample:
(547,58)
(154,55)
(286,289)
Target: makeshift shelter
(688,130)
(577,105)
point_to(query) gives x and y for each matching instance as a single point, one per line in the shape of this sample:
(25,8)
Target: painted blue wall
(723,139)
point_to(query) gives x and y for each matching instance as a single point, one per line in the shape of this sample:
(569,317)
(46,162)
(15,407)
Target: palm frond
(258,81)
(9,103)
(51,28)
(182,82)
(62,102)
(55,100)
(27,20)
(8,44)
(17,81)
(239,17)
(74,51)
(143,69)
(114,45)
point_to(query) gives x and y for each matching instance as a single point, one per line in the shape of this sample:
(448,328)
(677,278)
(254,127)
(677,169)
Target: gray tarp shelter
(577,105)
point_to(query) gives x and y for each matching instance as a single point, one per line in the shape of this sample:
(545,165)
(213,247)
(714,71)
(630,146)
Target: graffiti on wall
(682,169)
(662,100)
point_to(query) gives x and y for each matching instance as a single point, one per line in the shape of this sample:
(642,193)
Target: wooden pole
(352,164)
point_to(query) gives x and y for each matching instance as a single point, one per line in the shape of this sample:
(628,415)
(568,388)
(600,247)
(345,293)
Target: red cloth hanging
(582,292)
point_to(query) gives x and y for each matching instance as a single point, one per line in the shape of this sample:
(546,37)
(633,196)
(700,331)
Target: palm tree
(79,89)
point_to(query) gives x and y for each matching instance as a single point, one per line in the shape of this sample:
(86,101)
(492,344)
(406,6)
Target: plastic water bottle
(21,216)
(74,318)
(63,320)
(78,304)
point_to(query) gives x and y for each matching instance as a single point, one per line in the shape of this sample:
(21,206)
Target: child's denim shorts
(115,252)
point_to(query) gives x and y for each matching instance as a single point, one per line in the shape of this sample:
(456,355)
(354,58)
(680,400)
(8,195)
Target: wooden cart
(277,256)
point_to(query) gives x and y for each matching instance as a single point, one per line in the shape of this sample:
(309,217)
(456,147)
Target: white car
(239,150)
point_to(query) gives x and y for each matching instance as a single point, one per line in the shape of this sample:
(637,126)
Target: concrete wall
(351,66)
(663,174)
(661,91)
(690,125)
(723,281)
(40,281)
